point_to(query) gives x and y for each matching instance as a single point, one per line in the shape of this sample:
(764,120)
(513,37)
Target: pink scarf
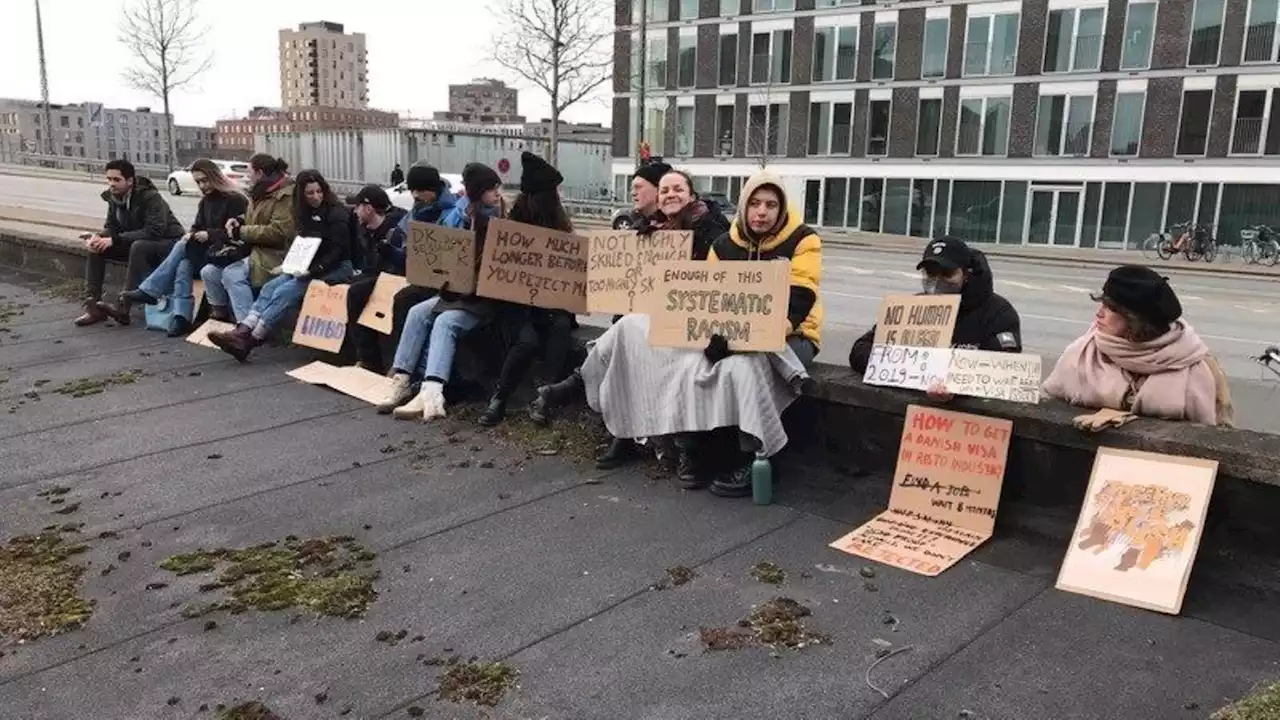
(1171,375)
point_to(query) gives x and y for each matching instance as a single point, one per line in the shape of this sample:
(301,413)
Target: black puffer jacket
(212,215)
(330,223)
(372,246)
(142,215)
(986,321)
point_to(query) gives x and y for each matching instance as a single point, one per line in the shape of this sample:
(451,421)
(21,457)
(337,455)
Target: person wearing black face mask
(986,321)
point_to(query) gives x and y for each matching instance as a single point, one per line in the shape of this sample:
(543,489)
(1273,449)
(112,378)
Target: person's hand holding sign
(938,391)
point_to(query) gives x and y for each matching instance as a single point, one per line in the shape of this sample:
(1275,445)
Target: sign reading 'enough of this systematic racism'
(743,301)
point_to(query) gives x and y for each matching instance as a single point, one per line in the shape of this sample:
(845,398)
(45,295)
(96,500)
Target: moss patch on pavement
(70,290)
(328,576)
(769,573)
(84,387)
(1261,704)
(40,587)
(776,624)
(252,710)
(575,433)
(482,683)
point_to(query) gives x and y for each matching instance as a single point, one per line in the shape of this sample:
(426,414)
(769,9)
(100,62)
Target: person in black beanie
(644,194)
(532,330)
(431,199)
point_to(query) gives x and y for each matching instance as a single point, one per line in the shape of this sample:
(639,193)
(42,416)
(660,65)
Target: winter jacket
(708,225)
(381,249)
(331,224)
(215,209)
(422,212)
(268,227)
(985,321)
(459,218)
(794,241)
(143,214)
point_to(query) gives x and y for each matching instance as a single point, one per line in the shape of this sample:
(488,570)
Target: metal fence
(89,168)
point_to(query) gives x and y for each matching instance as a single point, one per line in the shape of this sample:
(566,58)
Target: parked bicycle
(1260,245)
(1269,359)
(1193,240)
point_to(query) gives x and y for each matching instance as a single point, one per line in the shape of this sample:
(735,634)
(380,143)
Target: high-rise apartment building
(323,66)
(483,101)
(1054,122)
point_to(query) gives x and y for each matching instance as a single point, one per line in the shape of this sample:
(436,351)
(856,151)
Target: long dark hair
(268,164)
(300,207)
(543,209)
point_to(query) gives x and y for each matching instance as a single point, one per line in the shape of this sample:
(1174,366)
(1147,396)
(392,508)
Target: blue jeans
(430,339)
(173,278)
(284,293)
(229,286)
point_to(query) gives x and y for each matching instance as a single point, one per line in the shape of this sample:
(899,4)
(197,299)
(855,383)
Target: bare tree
(165,39)
(762,133)
(560,46)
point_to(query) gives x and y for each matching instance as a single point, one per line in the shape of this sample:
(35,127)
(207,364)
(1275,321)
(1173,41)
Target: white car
(401,198)
(180,181)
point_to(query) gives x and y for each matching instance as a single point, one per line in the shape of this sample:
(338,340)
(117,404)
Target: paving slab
(1066,656)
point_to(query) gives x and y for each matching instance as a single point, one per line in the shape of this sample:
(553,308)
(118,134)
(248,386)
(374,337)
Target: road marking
(854,270)
(912,275)
(1073,288)
(1256,344)
(1192,297)
(1024,286)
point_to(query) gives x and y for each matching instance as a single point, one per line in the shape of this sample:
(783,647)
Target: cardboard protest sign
(322,322)
(995,375)
(436,255)
(301,252)
(200,336)
(353,381)
(618,281)
(377,313)
(744,301)
(534,266)
(902,366)
(197,292)
(917,320)
(946,488)
(1139,529)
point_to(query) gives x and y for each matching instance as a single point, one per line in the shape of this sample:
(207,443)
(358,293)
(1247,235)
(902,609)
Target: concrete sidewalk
(500,545)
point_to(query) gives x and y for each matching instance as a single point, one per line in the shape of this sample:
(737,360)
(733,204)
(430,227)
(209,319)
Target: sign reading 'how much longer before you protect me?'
(946,488)
(620,276)
(743,301)
(534,266)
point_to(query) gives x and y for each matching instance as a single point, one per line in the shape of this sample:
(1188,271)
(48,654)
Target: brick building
(236,135)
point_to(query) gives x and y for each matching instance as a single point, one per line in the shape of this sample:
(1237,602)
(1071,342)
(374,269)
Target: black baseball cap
(373,195)
(947,253)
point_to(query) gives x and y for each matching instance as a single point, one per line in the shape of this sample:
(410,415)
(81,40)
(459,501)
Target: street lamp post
(44,84)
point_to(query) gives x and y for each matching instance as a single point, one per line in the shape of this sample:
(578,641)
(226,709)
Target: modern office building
(322,65)
(482,101)
(1066,122)
(91,131)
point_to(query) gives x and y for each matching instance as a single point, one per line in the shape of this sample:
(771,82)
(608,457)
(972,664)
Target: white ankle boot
(396,396)
(432,397)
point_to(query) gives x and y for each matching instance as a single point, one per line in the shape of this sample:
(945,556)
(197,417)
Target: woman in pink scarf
(1139,356)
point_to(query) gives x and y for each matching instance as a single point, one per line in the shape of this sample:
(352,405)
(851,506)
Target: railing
(1088,53)
(1248,136)
(92,168)
(1077,138)
(1258,42)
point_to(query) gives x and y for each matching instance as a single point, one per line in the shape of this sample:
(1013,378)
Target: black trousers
(549,332)
(141,256)
(366,341)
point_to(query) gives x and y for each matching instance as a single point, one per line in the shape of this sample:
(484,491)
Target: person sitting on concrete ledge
(140,229)
(644,194)
(256,242)
(1141,357)
(220,202)
(318,213)
(985,321)
(379,248)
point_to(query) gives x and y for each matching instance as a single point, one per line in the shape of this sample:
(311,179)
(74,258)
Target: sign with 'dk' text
(378,312)
(743,301)
(996,375)
(348,380)
(946,488)
(437,255)
(322,322)
(917,320)
(904,366)
(1139,529)
(301,252)
(534,266)
(619,268)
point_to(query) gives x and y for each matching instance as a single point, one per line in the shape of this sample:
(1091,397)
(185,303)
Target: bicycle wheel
(1192,252)
(1272,255)
(1164,250)
(1249,252)
(1150,245)
(1210,251)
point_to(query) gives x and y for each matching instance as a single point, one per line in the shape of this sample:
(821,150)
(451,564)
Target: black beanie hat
(479,178)
(1143,292)
(424,177)
(653,172)
(537,175)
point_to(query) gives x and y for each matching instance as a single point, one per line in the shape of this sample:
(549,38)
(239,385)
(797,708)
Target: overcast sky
(416,49)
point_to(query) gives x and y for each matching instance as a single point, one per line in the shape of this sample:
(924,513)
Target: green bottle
(762,481)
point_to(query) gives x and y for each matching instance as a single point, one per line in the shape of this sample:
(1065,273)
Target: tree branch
(164,39)
(561,47)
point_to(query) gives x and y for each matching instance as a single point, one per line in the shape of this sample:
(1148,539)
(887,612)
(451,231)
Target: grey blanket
(644,391)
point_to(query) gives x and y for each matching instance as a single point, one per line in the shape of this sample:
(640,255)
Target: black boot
(551,397)
(622,451)
(180,327)
(137,297)
(736,483)
(496,411)
(687,472)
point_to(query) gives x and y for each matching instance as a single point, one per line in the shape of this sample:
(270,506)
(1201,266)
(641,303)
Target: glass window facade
(1126,128)
(884,50)
(933,63)
(1206,32)
(1139,32)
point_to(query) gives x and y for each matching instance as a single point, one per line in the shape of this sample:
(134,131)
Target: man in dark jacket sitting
(644,193)
(140,229)
(985,321)
(379,248)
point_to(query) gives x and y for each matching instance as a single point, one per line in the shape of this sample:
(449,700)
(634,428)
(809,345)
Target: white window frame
(831,99)
(1253,83)
(682,104)
(730,8)
(770,28)
(879,95)
(723,101)
(1071,92)
(929,94)
(1275,40)
(728,29)
(681,36)
(648,56)
(991,12)
(696,10)
(1074,7)
(1128,87)
(1217,61)
(837,24)
(885,17)
(1192,84)
(766,101)
(930,15)
(774,6)
(1155,20)
(986,95)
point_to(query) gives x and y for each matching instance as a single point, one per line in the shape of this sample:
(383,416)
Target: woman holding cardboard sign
(318,214)
(1140,357)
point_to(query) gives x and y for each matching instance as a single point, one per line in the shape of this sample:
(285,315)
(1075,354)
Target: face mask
(939,286)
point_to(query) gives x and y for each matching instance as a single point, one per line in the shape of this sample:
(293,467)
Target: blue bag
(160,316)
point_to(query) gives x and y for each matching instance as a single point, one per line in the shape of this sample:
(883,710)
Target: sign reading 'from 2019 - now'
(620,277)
(743,301)
(534,266)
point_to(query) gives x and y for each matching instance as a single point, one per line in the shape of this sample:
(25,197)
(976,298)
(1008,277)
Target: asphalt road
(1237,316)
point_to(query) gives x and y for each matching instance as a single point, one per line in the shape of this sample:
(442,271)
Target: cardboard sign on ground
(1139,529)
(618,277)
(534,266)
(903,366)
(917,320)
(946,488)
(436,255)
(744,301)
(301,252)
(378,312)
(197,292)
(200,336)
(356,382)
(322,322)
(997,375)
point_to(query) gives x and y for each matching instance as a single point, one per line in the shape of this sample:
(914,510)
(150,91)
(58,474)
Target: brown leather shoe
(92,315)
(119,314)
